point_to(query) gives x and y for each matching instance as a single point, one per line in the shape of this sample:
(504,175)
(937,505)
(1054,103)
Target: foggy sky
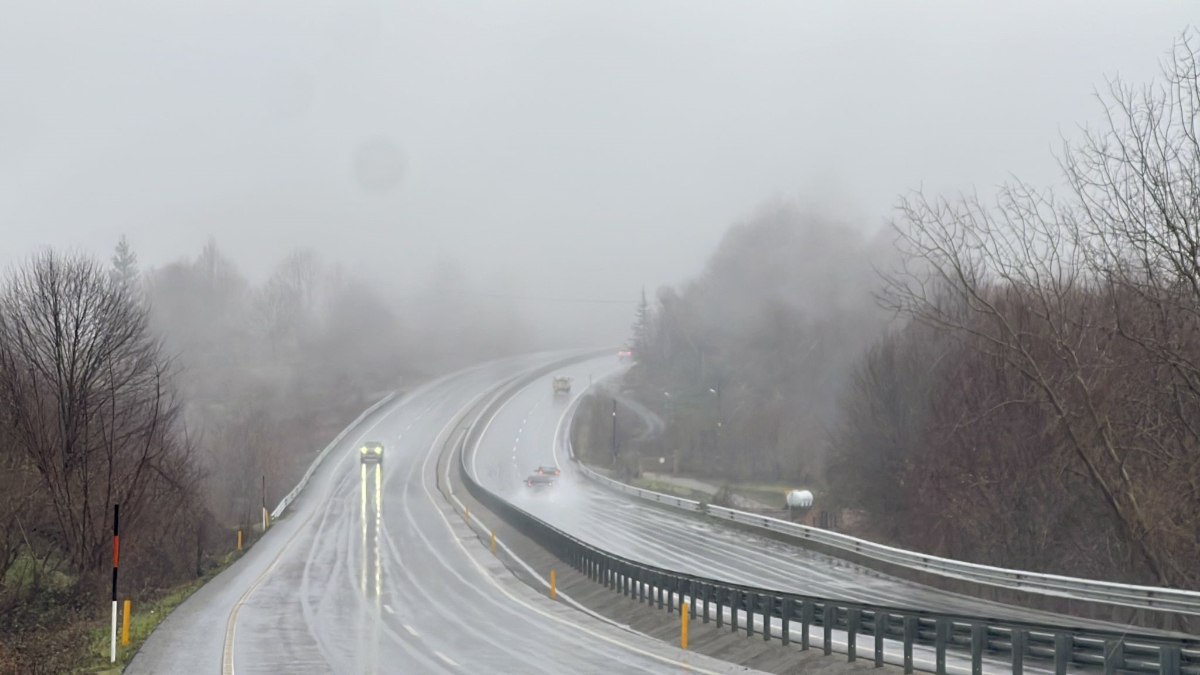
(551,148)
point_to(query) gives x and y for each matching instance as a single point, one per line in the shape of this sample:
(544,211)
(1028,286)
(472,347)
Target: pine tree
(641,327)
(124,264)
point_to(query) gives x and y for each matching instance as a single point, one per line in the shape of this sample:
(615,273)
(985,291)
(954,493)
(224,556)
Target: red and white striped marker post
(116,559)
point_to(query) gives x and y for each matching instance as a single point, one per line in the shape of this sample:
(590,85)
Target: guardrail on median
(649,495)
(898,635)
(291,496)
(1111,593)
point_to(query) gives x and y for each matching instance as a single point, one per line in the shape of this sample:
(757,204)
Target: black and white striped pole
(116,560)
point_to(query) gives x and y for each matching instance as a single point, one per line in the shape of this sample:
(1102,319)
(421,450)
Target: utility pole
(614,429)
(673,435)
(717,391)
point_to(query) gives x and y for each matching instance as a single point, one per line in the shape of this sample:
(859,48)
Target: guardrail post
(806,618)
(827,618)
(853,621)
(977,640)
(735,603)
(1020,639)
(751,605)
(881,622)
(941,636)
(768,612)
(910,636)
(718,594)
(785,612)
(692,593)
(1169,658)
(1114,656)
(1062,653)
(706,592)
(658,589)
(672,586)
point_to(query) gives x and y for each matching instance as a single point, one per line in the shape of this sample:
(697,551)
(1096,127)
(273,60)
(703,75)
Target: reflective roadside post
(683,628)
(264,502)
(116,560)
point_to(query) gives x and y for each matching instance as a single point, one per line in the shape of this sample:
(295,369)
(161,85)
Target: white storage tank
(800,499)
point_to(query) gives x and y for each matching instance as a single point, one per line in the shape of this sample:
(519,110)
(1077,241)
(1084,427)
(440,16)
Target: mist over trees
(174,391)
(1018,384)
(1042,408)
(742,361)
(89,418)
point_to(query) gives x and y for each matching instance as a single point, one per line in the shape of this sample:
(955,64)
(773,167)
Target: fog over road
(528,432)
(374,573)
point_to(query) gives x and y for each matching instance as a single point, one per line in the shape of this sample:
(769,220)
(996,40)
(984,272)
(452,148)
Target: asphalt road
(372,572)
(524,434)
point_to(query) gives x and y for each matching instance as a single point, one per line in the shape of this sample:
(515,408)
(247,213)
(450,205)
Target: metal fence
(291,496)
(1089,590)
(913,639)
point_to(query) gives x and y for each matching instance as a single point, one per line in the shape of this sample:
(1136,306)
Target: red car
(625,355)
(539,481)
(548,471)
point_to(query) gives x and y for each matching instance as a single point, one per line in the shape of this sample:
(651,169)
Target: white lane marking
(227,665)
(412,631)
(449,661)
(496,583)
(389,609)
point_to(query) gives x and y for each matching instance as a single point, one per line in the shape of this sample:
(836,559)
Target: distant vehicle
(539,482)
(548,471)
(625,355)
(371,453)
(562,385)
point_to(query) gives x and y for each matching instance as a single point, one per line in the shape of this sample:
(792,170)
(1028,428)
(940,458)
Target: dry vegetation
(1043,408)
(1036,400)
(173,392)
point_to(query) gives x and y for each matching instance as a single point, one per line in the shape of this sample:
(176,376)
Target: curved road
(526,432)
(372,572)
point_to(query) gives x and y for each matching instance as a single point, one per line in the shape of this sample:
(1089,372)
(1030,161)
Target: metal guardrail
(291,496)
(935,641)
(1111,593)
(649,495)
(1141,597)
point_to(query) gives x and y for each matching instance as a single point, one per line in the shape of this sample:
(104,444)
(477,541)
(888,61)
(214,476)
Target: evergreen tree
(641,327)
(124,264)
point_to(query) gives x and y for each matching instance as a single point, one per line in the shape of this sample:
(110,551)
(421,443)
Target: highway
(525,433)
(372,572)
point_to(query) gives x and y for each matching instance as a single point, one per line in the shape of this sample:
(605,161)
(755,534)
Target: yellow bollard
(239,540)
(125,625)
(553,585)
(493,542)
(684,626)
(467,514)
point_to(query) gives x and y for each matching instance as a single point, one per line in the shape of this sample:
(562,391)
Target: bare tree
(90,397)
